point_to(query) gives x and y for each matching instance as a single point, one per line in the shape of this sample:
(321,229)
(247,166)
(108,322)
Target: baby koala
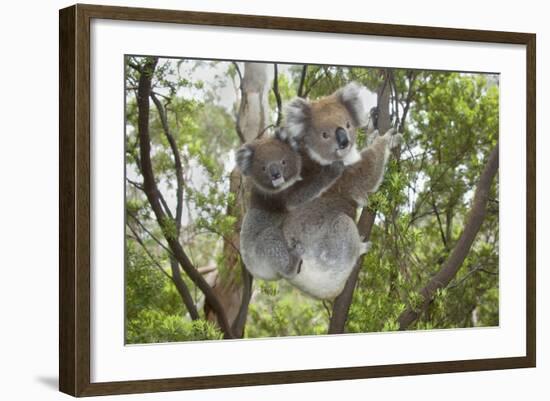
(274,169)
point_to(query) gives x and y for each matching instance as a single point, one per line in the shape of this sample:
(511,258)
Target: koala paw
(294,264)
(372,136)
(393,138)
(395,141)
(336,168)
(365,246)
(296,247)
(389,133)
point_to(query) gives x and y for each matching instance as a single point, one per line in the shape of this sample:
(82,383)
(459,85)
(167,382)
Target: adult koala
(273,168)
(325,131)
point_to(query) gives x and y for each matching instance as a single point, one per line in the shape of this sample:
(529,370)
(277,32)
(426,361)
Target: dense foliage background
(450,124)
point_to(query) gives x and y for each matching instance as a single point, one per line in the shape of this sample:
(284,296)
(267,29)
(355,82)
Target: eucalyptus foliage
(450,128)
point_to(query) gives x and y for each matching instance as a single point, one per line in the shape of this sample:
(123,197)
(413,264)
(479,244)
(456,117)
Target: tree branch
(135,184)
(302,81)
(469,274)
(439,223)
(393,88)
(237,117)
(136,237)
(408,100)
(342,303)
(152,192)
(176,278)
(456,258)
(177,160)
(176,273)
(239,73)
(134,66)
(314,82)
(277,95)
(240,321)
(153,237)
(183,290)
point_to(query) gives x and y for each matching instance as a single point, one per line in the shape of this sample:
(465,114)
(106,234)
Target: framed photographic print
(250,200)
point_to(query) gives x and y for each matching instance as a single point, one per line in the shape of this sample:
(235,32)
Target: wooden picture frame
(75,200)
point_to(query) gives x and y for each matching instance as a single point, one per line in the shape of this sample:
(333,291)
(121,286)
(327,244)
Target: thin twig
(473,223)
(153,237)
(469,274)
(136,237)
(239,73)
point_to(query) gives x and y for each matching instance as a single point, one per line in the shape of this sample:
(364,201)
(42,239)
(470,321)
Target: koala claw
(296,247)
(372,136)
(390,132)
(294,265)
(365,247)
(396,140)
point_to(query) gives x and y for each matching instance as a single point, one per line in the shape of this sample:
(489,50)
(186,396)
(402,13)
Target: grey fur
(314,124)
(325,227)
(283,135)
(244,159)
(264,250)
(266,253)
(297,115)
(354,97)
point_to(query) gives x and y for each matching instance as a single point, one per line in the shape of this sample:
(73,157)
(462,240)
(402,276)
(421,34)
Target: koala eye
(263,168)
(348,125)
(325,135)
(283,162)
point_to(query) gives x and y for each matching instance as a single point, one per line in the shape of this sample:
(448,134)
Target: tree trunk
(252,120)
(253,115)
(342,303)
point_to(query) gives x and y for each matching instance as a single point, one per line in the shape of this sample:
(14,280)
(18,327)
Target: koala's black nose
(274,171)
(342,138)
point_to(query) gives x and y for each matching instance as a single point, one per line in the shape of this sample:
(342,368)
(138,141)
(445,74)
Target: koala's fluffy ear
(283,135)
(297,118)
(244,157)
(354,97)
